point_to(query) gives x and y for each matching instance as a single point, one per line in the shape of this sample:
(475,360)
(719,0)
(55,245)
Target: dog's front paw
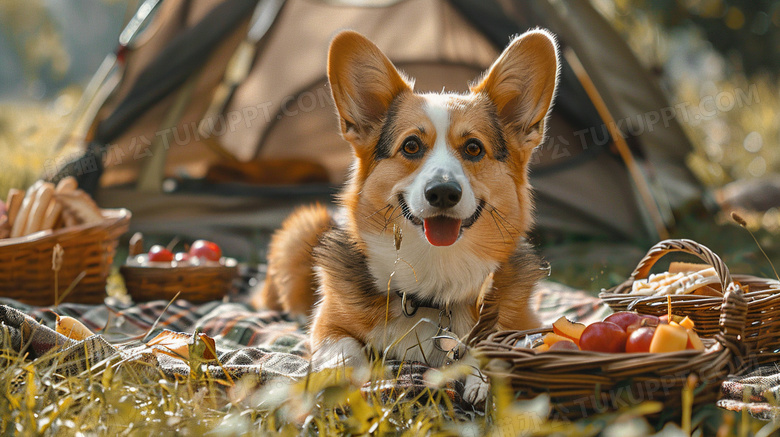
(476,389)
(344,352)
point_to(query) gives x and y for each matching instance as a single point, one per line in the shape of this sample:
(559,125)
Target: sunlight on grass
(120,397)
(28,135)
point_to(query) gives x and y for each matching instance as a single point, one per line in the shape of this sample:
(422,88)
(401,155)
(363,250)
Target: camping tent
(219,119)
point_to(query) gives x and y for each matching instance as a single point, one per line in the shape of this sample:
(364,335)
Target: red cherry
(160,254)
(182,256)
(205,250)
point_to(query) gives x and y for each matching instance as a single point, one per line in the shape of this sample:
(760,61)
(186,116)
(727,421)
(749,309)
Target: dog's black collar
(410,304)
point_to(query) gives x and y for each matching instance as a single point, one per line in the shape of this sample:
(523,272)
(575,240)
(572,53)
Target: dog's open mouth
(441,230)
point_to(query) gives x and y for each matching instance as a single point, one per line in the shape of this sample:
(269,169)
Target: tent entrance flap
(261,102)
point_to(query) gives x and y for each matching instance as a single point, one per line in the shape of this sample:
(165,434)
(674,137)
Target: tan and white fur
(450,172)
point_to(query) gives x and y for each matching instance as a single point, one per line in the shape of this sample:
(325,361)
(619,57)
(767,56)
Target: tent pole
(625,153)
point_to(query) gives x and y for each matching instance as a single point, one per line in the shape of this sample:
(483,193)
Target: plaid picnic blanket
(265,345)
(262,345)
(756,392)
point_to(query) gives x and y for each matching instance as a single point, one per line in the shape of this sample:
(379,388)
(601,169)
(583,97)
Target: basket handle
(734,309)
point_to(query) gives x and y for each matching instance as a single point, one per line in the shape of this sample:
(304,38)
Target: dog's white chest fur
(444,274)
(412,338)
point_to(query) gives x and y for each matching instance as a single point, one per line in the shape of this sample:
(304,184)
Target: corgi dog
(436,208)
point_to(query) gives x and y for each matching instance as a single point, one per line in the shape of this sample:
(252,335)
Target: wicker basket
(196,283)
(26,262)
(582,382)
(762,328)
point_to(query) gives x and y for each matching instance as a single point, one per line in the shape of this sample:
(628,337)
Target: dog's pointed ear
(364,84)
(521,83)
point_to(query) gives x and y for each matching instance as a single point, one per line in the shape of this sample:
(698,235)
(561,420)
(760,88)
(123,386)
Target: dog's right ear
(364,84)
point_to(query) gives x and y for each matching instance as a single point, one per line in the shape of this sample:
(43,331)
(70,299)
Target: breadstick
(66,185)
(14,203)
(136,244)
(5,228)
(82,206)
(24,212)
(69,218)
(38,210)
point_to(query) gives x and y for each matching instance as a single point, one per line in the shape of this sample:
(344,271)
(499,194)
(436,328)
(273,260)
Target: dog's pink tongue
(441,231)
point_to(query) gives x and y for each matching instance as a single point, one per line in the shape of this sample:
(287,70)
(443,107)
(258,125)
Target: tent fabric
(283,109)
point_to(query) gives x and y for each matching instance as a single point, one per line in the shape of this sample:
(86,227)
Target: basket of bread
(626,359)
(198,274)
(695,291)
(56,244)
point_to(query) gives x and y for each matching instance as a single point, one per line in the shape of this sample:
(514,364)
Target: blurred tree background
(703,47)
(697,48)
(49,49)
(48,52)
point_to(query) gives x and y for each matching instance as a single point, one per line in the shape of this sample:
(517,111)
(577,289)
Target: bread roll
(14,203)
(5,228)
(38,210)
(66,185)
(69,218)
(24,211)
(81,206)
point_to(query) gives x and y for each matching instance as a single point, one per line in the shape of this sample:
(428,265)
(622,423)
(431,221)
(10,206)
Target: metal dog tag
(448,343)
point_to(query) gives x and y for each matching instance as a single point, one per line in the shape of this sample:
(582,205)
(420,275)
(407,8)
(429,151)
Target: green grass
(126,398)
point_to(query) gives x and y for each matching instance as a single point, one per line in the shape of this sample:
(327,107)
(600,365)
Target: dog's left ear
(521,83)
(364,84)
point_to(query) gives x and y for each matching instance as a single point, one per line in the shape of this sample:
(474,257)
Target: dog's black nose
(442,194)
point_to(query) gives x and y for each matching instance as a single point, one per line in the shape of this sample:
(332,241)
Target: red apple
(205,250)
(160,254)
(645,320)
(603,337)
(649,320)
(640,339)
(624,319)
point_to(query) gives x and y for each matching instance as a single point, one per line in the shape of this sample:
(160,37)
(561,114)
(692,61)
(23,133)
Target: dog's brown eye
(473,150)
(411,146)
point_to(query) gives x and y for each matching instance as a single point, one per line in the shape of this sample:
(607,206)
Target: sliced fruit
(542,348)
(603,337)
(569,329)
(694,342)
(686,323)
(551,338)
(563,345)
(665,319)
(669,338)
